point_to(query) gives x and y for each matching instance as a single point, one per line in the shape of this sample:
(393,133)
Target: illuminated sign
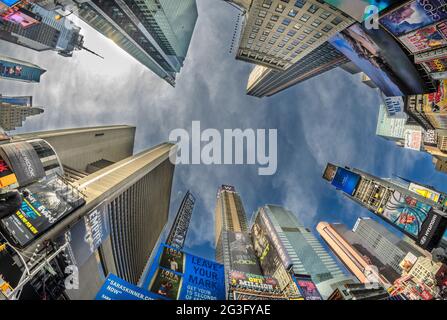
(346,180)
(426,38)
(357,9)
(252,282)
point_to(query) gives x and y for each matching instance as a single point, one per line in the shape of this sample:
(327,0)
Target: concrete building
(60,35)
(264,81)
(14,69)
(15,110)
(277,34)
(131,191)
(359,291)
(298,250)
(157,33)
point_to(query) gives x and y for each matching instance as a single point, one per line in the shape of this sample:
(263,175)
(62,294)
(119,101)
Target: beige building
(278,33)
(13,115)
(133,190)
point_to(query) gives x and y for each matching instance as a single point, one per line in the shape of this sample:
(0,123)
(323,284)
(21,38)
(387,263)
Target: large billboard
(7,177)
(432,230)
(267,245)
(425,192)
(413,139)
(437,101)
(427,38)
(360,9)
(405,212)
(45,204)
(414,15)
(307,287)
(176,275)
(252,282)
(380,57)
(346,180)
(242,254)
(23,159)
(115,288)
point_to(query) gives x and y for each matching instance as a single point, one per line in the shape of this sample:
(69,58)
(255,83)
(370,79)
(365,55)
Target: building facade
(277,34)
(15,110)
(14,69)
(264,81)
(155,33)
(415,215)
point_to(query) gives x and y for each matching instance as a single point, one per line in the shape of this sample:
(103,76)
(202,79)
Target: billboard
(47,202)
(432,230)
(405,212)
(356,8)
(307,287)
(408,262)
(238,295)
(437,66)
(425,192)
(115,288)
(23,17)
(437,101)
(252,282)
(24,161)
(267,245)
(88,234)
(176,275)
(379,56)
(346,180)
(7,177)
(242,254)
(427,38)
(414,15)
(413,139)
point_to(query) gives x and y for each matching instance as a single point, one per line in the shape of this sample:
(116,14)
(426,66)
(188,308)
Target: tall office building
(126,203)
(265,81)
(60,35)
(298,252)
(15,110)
(229,216)
(277,34)
(411,208)
(14,69)
(157,33)
(348,248)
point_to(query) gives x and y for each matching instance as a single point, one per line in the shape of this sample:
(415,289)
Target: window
(337,21)
(305,17)
(286,21)
(267,4)
(313,8)
(259,22)
(318,35)
(262,38)
(316,23)
(274,17)
(276,36)
(291,33)
(262,13)
(253,36)
(300,3)
(281,29)
(266,33)
(293,13)
(280,8)
(270,25)
(282,44)
(327,28)
(307,30)
(286,39)
(325,14)
(298,26)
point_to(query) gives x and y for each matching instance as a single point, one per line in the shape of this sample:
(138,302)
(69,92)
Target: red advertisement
(426,38)
(436,65)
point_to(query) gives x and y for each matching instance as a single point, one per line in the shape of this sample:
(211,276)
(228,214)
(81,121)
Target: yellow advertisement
(424,192)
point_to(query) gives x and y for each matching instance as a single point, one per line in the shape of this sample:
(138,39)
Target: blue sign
(176,275)
(117,289)
(346,180)
(9,3)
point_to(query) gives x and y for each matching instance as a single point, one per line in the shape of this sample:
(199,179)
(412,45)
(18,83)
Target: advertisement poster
(252,282)
(432,230)
(437,65)
(379,56)
(88,234)
(268,248)
(7,177)
(176,275)
(115,288)
(242,254)
(404,211)
(24,161)
(413,139)
(426,38)
(430,137)
(425,192)
(394,106)
(436,102)
(346,180)
(414,15)
(48,202)
(356,8)
(307,288)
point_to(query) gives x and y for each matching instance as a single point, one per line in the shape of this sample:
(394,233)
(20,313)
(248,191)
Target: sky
(330,118)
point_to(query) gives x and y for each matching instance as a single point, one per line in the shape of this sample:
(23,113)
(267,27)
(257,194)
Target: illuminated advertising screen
(413,139)
(267,245)
(115,288)
(346,180)
(307,288)
(252,282)
(405,212)
(427,38)
(380,57)
(437,65)
(176,275)
(23,17)
(425,192)
(10,3)
(432,230)
(414,15)
(242,254)
(358,9)
(7,177)
(48,202)
(437,101)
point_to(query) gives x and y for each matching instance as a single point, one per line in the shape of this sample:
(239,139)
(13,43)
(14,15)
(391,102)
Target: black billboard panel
(242,254)
(432,230)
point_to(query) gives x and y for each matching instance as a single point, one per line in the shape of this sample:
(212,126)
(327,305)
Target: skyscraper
(277,34)
(15,110)
(14,69)
(265,81)
(60,35)
(126,203)
(298,252)
(397,203)
(157,33)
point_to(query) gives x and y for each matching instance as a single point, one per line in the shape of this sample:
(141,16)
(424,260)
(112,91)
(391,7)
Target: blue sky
(328,118)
